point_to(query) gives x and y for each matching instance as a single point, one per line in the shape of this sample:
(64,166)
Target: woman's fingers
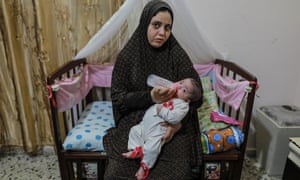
(171,130)
(161,94)
(168,135)
(166,92)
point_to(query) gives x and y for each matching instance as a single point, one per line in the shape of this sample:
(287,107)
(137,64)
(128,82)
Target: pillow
(87,135)
(218,140)
(206,84)
(209,105)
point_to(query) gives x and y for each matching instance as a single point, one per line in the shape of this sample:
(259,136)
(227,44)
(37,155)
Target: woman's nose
(162,31)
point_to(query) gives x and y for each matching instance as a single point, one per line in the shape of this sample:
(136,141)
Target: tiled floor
(19,166)
(24,167)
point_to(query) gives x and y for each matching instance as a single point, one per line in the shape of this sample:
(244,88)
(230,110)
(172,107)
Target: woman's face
(159,29)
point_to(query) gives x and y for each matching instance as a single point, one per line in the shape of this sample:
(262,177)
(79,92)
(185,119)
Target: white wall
(297,97)
(261,35)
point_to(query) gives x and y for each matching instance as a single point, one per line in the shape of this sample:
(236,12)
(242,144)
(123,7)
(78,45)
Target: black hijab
(144,59)
(150,10)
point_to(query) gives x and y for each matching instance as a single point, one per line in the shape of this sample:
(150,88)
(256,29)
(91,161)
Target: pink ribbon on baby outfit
(169,105)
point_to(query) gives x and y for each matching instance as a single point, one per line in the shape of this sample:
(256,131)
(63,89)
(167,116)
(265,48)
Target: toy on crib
(221,117)
(218,140)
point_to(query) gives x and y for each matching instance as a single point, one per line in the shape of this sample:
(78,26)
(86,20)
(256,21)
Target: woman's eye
(168,28)
(156,25)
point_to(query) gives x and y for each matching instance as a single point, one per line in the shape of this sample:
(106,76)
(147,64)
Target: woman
(152,49)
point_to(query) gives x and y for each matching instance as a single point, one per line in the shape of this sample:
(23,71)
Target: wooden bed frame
(71,162)
(232,161)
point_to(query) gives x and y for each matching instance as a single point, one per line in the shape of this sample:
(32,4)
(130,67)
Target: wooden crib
(71,163)
(231,162)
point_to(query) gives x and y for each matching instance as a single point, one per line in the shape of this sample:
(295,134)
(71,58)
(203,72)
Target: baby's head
(188,89)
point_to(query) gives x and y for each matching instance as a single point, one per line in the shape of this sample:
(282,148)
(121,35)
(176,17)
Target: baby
(145,139)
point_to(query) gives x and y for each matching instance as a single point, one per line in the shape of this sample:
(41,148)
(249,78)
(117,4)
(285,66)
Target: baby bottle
(157,81)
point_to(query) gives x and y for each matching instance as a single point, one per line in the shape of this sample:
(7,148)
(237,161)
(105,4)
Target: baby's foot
(127,154)
(143,172)
(136,153)
(140,174)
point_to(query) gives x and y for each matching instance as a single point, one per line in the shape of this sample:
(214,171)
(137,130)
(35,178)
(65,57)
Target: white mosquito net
(127,17)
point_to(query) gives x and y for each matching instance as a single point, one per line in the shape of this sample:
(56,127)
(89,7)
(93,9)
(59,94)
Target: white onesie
(148,133)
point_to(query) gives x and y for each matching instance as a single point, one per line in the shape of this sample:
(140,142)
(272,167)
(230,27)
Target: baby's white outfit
(148,133)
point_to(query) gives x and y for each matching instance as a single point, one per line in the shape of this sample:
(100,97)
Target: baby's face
(184,89)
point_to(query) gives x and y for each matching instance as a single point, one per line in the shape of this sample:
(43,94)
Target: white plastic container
(272,137)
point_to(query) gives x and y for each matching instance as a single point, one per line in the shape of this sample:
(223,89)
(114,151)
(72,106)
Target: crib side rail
(64,121)
(243,113)
(65,70)
(234,68)
(231,162)
(71,162)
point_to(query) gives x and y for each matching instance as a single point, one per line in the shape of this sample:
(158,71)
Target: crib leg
(63,167)
(101,169)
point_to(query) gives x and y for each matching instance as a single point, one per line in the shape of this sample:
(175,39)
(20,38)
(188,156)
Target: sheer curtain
(185,30)
(36,37)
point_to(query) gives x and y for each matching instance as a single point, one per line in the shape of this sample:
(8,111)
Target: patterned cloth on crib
(87,135)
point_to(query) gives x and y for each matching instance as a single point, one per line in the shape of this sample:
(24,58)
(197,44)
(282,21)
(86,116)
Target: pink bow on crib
(50,96)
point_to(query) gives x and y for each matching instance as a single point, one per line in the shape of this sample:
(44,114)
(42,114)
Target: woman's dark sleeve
(124,100)
(138,100)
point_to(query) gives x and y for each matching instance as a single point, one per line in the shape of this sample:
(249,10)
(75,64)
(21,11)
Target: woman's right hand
(161,94)
(172,129)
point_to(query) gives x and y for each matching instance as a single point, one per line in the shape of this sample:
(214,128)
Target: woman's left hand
(171,130)
(161,94)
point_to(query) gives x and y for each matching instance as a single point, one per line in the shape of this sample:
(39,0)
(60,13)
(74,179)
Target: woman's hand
(161,94)
(171,130)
